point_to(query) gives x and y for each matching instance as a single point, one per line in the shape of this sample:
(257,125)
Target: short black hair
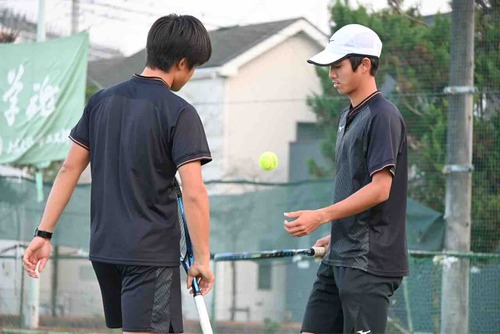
(356,60)
(174,37)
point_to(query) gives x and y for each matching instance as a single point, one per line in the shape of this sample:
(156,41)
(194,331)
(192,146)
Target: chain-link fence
(265,296)
(269,296)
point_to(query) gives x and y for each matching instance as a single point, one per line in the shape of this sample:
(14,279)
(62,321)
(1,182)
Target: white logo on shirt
(340,129)
(363,332)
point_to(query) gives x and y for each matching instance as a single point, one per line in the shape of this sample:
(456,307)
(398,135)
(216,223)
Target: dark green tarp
(241,222)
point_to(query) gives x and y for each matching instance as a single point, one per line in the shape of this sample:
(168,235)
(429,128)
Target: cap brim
(325,58)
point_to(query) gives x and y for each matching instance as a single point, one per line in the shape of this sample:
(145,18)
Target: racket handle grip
(206,327)
(319,252)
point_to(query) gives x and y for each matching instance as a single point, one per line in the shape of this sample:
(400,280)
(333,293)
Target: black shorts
(347,300)
(140,298)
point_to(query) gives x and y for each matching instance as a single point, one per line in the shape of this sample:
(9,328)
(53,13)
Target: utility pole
(32,312)
(75,12)
(40,28)
(455,284)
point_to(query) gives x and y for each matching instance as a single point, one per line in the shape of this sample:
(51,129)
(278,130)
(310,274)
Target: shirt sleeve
(189,141)
(386,136)
(80,133)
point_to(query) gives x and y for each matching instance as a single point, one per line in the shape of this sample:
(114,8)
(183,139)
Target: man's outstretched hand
(307,222)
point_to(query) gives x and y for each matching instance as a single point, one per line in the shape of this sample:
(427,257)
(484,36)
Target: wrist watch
(43,234)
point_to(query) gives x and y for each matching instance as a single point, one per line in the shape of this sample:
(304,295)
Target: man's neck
(167,77)
(362,92)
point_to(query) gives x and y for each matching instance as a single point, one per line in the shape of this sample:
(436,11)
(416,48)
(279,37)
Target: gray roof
(227,43)
(107,72)
(230,42)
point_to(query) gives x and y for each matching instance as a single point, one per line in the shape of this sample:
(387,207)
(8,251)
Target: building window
(265,276)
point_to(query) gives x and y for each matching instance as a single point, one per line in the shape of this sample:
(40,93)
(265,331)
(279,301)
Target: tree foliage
(414,70)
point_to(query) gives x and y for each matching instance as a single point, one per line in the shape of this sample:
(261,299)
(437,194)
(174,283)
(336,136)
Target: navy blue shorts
(348,300)
(140,298)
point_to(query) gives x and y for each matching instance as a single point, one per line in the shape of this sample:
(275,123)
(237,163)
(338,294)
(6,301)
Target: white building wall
(207,95)
(266,99)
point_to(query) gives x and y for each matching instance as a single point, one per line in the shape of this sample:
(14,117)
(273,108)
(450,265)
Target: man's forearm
(196,206)
(370,195)
(59,197)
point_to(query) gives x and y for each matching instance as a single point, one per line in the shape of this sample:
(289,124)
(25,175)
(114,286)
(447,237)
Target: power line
(94,13)
(118,8)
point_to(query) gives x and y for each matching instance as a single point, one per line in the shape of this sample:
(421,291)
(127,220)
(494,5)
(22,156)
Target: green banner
(42,96)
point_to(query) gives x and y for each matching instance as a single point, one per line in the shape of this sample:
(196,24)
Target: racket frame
(317,252)
(187,260)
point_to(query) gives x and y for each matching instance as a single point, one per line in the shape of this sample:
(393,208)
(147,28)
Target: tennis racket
(187,259)
(317,252)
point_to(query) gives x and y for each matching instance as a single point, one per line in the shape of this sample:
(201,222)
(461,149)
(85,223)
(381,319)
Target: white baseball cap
(352,39)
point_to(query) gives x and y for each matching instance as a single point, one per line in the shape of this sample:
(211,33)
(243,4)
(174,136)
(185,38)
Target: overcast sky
(123,24)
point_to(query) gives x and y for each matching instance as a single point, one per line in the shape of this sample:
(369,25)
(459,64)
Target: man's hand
(37,251)
(323,242)
(307,222)
(205,277)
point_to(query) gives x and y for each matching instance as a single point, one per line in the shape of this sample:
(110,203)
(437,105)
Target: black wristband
(43,234)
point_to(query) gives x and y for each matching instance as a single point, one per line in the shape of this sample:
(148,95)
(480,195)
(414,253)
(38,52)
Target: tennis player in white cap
(367,256)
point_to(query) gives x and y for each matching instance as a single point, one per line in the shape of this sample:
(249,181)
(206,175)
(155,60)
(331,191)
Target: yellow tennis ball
(268,161)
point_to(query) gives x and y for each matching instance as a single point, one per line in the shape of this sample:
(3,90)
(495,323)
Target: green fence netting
(249,297)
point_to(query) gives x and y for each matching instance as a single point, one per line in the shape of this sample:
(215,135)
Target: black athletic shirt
(138,134)
(371,137)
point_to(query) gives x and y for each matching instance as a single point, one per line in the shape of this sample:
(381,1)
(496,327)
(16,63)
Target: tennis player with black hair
(136,136)
(368,254)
